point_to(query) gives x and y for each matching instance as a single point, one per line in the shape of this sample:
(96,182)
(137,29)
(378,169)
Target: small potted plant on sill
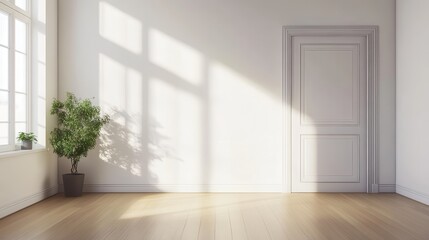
(27,140)
(79,126)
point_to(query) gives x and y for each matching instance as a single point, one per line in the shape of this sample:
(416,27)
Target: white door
(329,117)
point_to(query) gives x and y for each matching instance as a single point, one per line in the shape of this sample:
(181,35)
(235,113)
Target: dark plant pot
(27,145)
(73,184)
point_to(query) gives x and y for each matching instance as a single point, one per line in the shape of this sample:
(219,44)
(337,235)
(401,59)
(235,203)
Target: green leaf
(30,136)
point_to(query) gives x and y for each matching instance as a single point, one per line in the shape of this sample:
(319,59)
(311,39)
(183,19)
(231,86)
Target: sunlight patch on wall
(41,10)
(41,47)
(175,56)
(39,81)
(175,120)
(121,98)
(120,28)
(120,88)
(41,119)
(241,110)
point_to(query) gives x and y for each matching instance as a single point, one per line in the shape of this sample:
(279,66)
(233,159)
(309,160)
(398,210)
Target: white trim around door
(370,33)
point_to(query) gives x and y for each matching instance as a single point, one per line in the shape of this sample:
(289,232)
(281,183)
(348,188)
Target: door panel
(327,70)
(320,152)
(329,114)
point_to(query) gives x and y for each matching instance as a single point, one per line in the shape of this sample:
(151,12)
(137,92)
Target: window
(14,71)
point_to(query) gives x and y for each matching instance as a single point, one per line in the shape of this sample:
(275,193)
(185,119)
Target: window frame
(15,13)
(11,4)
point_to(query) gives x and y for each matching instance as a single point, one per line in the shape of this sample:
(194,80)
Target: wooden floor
(220,216)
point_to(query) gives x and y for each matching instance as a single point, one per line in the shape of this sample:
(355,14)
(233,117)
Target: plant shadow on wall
(122,146)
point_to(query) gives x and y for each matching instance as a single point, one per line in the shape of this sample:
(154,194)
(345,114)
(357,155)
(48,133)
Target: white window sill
(36,149)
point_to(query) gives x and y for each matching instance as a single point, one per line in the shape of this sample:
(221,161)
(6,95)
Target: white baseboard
(410,193)
(386,188)
(382,188)
(27,201)
(179,188)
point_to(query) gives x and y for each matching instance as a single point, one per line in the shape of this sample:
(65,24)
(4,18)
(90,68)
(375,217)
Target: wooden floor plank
(223,224)
(238,229)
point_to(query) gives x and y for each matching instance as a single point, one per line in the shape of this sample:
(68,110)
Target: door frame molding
(371,35)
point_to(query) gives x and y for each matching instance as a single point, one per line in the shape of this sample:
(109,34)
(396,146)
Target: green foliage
(79,125)
(30,136)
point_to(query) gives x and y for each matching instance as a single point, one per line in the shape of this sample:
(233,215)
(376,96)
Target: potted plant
(79,125)
(27,140)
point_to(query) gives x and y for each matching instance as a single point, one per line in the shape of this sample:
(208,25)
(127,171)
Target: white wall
(28,177)
(195,87)
(412,98)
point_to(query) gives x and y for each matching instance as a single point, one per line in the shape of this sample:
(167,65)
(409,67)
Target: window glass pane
(4,68)
(20,36)
(4,106)
(21,4)
(4,133)
(20,127)
(20,107)
(20,72)
(4,29)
